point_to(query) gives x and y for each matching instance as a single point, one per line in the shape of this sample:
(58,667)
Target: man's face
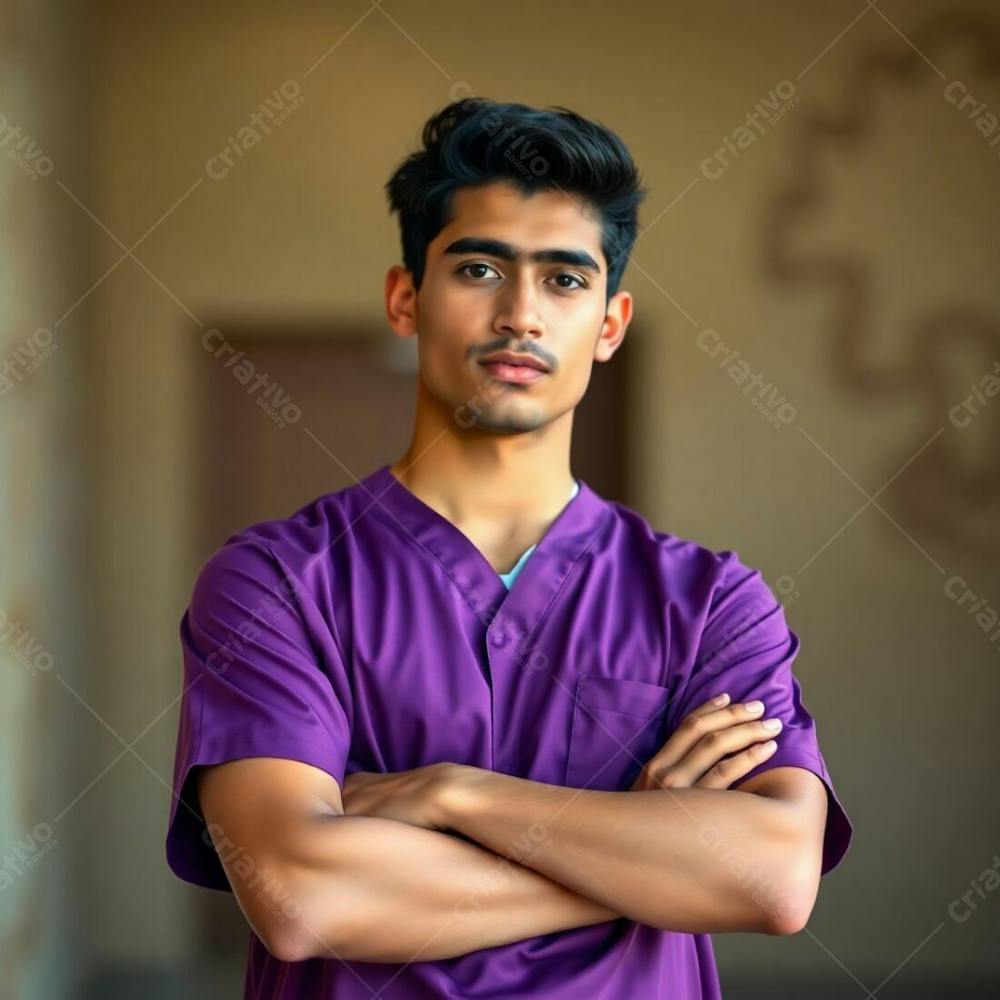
(475,302)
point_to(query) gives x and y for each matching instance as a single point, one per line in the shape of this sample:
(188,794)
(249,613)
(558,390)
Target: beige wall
(44,500)
(903,684)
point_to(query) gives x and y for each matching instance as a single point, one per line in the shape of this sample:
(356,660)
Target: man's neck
(502,511)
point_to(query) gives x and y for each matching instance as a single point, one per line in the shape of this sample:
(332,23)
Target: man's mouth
(507,366)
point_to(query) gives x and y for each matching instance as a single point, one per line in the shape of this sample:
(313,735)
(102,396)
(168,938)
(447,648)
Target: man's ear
(616,320)
(401,301)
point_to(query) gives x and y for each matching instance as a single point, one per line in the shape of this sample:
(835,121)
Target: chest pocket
(618,725)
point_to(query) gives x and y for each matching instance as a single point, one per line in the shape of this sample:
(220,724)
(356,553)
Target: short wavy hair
(476,141)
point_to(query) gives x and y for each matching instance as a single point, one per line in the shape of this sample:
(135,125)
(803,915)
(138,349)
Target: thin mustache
(542,356)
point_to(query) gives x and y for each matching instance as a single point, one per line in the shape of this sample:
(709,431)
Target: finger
(645,779)
(725,772)
(695,727)
(712,705)
(712,747)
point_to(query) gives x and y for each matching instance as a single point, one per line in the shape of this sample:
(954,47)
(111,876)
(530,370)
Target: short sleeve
(263,677)
(747,649)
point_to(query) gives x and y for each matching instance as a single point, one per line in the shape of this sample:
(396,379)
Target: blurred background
(824,201)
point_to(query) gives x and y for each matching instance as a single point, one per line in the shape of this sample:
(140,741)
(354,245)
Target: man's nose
(518,312)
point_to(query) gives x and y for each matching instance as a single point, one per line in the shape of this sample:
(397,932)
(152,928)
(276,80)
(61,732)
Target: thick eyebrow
(497,248)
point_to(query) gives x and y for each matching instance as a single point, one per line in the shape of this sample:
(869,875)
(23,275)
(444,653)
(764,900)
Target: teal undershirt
(509,578)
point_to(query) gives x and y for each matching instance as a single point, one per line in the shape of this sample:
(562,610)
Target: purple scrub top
(366,632)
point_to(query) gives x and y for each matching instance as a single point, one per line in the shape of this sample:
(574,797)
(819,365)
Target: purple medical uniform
(366,632)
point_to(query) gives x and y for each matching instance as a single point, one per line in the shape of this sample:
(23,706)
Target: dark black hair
(477,141)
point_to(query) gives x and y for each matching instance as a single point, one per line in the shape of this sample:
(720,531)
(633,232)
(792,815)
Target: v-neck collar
(515,613)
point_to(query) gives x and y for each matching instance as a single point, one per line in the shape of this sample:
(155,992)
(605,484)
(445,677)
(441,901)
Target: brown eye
(580,283)
(465,267)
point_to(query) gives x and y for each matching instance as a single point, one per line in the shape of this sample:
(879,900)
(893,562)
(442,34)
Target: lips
(510,359)
(516,369)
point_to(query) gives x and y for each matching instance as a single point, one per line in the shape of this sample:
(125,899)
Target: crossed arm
(313,881)
(447,859)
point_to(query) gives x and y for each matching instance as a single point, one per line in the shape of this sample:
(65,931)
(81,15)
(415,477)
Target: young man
(421,777)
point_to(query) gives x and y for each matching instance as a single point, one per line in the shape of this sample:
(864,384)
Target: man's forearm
(379,890)
(689,859)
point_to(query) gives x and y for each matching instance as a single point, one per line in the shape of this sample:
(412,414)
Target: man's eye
(468,270)
(465,267)
(580,283)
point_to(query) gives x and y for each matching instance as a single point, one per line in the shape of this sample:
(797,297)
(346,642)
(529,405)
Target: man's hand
(408,796)
(693,756)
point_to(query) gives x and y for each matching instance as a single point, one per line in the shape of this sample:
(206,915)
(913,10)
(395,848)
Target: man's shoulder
(681,558)
(308,537)
(714,587)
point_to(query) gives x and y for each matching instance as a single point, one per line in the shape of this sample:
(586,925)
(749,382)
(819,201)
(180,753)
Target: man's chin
(497,421)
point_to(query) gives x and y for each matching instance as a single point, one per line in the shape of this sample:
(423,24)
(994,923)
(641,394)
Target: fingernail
(769,746)
(720,699)
(771,724)
(754,706)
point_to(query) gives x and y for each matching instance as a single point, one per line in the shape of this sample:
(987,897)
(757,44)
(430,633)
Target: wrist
(455,795)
